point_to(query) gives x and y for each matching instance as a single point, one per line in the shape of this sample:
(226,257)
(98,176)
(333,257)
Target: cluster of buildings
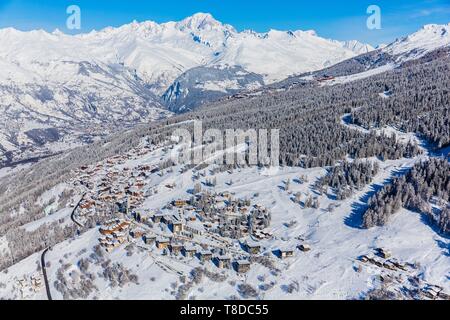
(383,258)
(219,213)
(112,189)
(114,233)
(221,259)
(118,231)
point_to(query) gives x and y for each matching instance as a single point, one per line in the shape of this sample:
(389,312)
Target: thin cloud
(429,12)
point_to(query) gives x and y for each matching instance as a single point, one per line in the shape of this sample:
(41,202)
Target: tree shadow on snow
(426,220)
(355,219)
(445,247)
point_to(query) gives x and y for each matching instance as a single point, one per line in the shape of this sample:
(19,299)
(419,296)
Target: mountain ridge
(135,72)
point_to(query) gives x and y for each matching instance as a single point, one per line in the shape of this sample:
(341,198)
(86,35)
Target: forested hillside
(414,97)
(426,189)
(417,102)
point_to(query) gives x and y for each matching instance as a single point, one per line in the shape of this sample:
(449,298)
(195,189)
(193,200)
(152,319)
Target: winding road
(72,215)
(44,272)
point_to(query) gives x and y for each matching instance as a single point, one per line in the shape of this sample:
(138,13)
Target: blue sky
(342,20)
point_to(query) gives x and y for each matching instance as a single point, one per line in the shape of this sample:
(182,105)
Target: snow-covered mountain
(357,47)
(430,40)
(134,72)
(162,52)
(297,231)
(202,84)
(427,39)
(60,81)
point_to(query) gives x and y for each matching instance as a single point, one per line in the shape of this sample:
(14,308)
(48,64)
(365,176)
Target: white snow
(161,52)
(328,271)
(429,38)
(360,76)
(357,47)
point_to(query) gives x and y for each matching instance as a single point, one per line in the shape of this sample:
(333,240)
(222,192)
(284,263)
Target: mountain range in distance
(71,89)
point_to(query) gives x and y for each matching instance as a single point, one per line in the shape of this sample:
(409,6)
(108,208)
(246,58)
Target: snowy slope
(278,54)
(427,39)
(70,84)
(357,47)
(205,84)
(75,85)
(331,270)
(161,52)
(164,51)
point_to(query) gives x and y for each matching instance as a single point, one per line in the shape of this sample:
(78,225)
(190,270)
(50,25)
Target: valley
(95,203)
(159,255)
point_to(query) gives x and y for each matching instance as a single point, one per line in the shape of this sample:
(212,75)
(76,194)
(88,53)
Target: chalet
(144,167)
(105,197)
(123,225)
(106,231)
(114,227)
(431,291)
(176,248)
(180,203)
(140,184)
(376,261)
(195,228)
(111,223)
(398,265)
(120,237)
(259,235)
(87,204)
(162,244)
(110,246)
(190,217)
(243,266)
(135,192)
(244,231)
(267,234)
(304,247)
(104,185)
(243,210)
(364,258)
(103,241)
(149,239)
(157,218)
(119,194)
(189,251)
(226,195)
(143,217)
(176,226)
(223,262)
(383,253)
(286,253)
(389,265)
(205,256)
